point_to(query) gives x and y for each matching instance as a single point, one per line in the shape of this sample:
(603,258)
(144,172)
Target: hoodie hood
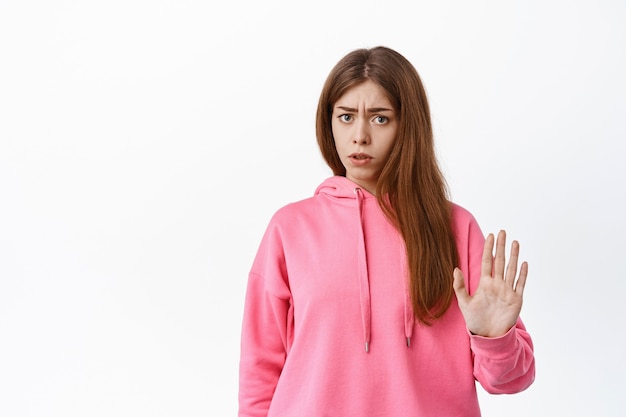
(342,189)
(345,191)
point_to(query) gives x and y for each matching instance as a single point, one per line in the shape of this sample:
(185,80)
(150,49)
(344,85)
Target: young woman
(378,296)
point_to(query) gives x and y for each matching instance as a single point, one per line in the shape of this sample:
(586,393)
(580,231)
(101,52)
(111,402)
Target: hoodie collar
(342,189)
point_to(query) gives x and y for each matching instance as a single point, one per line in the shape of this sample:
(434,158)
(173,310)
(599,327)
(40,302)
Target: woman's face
(364,126)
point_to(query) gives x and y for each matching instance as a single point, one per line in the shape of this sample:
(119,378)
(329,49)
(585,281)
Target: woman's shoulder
(465,224)
(296,207)
(460,213)
(293,211)
(463,218)
(335,189)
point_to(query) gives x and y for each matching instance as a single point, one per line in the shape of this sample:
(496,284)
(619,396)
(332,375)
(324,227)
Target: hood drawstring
(364,286)
(409,319)
(409,316)
(363,276)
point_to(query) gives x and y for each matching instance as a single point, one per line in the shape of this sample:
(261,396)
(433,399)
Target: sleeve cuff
(494,347)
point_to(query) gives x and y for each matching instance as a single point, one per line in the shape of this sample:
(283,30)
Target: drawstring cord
(364,287)
(409,319)
(409,316)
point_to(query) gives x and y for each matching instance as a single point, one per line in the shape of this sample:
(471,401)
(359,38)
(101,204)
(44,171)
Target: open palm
(495,306)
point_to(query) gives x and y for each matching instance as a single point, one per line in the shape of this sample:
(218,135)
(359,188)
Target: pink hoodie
(329,330)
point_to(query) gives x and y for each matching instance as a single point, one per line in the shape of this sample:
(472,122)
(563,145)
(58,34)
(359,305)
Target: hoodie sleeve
(506,364)
(267,319)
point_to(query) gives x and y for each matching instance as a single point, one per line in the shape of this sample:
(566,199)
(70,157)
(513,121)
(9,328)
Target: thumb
(459,285)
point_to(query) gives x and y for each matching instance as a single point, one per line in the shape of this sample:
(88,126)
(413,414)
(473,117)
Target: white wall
(145,144)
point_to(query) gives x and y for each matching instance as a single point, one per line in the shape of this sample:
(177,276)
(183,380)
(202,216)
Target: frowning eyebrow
(370,110)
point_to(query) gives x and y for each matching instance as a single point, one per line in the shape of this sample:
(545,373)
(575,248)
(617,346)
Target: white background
(144,146)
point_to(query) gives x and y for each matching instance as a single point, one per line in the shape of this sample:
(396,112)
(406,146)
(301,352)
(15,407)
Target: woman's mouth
(359,156)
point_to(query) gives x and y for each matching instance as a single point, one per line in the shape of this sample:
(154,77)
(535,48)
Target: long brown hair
(411,189)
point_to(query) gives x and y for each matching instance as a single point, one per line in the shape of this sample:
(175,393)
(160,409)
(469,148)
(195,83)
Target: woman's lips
(360,158)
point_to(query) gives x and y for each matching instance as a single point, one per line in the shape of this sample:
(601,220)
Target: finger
(500,259)
(487,260)
(511,269)
(521,281)
(459,286)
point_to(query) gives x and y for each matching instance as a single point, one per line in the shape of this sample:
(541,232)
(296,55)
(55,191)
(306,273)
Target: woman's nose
(361,134)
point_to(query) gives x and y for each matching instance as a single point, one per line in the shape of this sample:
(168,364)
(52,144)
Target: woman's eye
(380,120)
(345,117)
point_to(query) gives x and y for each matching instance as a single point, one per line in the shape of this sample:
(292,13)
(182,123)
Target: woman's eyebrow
(378,109)
(370,110)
